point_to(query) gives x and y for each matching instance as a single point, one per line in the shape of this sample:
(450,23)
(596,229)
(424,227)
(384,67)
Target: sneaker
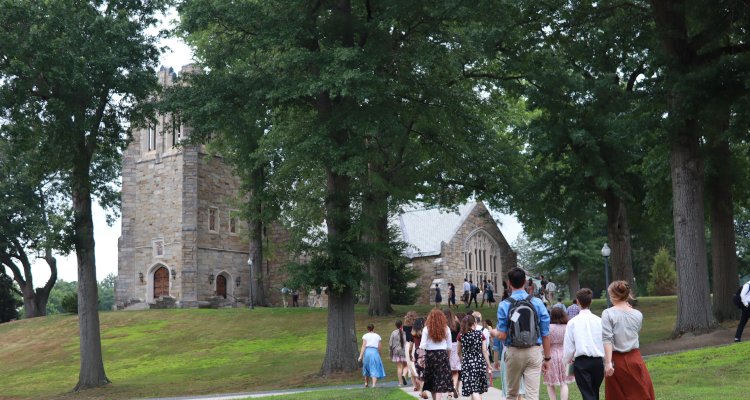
(737,340)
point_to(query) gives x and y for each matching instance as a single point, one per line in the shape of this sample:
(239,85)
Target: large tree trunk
(92,365)
(694,312)
(341,337)
(380,300)
(573,280)
(724,249)
(618,234)
(255,239)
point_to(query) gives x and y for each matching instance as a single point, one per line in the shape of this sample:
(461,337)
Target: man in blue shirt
(472,295)
(528,362)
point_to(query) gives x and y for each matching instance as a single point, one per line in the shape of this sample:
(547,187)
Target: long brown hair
(467,323)
(409,318)
(436,325)
(450,319)
(558,316)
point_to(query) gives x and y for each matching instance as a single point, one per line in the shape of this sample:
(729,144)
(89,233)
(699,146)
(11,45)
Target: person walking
(560,305)
(438,297)
(499,348)
(525,356)
(490,293)
(506,291)
(583,343)
(467,289)
(745,301)
(295,298)
(417,354)
(628,377)
(452,296)
(436,341)
(557,375)
(550,290)
(285,295)
(475,361)
(472,294)
(455,327)
(372,366)
(409,319)
(542,286)
(530,287)
(573,310)
(397,352)
(485,288)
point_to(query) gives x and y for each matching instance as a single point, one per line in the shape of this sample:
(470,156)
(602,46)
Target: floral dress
(473,364)
(556,375)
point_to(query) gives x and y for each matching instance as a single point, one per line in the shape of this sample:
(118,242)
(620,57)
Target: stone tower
(178,237)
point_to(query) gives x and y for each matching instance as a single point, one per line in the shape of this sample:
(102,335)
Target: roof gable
(424,229)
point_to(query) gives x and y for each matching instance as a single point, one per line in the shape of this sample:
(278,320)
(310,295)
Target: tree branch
(723,51)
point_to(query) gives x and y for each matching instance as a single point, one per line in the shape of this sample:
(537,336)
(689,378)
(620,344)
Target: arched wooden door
(161,282)
(221,286)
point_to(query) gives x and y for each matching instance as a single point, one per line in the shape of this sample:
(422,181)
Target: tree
(699,42)
(9,298)
(663,280)
(33,223)
(336,81)
(69,95)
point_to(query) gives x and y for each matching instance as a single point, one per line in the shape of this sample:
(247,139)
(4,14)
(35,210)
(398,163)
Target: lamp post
(606,251)
(252,302)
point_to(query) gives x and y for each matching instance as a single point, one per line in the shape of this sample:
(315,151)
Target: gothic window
(233,221)
(483,250)
(213,220)
(151,136)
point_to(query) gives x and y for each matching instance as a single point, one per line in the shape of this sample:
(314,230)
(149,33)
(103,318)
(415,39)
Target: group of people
(570,345)
(470,293)
(438,353)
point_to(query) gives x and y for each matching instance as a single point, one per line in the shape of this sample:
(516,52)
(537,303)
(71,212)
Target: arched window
(480,255)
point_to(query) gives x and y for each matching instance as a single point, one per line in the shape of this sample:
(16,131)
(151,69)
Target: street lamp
(250,264)
(606,251)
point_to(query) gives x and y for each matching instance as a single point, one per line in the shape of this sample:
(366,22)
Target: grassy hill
(189,352)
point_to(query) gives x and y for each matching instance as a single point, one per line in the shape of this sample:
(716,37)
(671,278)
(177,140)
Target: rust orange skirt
(631,380)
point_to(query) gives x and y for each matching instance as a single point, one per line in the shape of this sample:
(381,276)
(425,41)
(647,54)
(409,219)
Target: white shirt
(485,333)
(371,339)
(551,287)
(467,286)
(428,344)
(583,337)
(745,294)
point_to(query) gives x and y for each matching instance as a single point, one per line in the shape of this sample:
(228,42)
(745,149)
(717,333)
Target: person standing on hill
(295,298)
(436,341)
(573,310)
(583,342)
(745,300)
(525,357)
(373,365)
(397,352)
(438,297)
(626,375)
(472,294)
(551,288)
(557,376)
(467,290)
(452,296)
(475,362)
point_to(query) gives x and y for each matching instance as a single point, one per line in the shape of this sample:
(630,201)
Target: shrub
(69,303)
(663,275)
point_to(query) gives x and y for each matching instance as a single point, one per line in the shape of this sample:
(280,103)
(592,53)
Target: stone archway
(221,286)
(151,280)
(227,280)
(161,282)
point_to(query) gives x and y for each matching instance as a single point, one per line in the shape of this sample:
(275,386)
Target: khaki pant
(526,363)
(551,298)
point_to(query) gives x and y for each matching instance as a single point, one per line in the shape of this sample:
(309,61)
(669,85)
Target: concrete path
(492,394)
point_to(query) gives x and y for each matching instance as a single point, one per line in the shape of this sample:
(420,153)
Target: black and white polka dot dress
(473,364)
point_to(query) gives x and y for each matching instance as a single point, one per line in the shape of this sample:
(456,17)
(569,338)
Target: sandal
(424,395)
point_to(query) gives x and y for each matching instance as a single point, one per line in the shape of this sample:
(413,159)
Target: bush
(663,275)
(69,303)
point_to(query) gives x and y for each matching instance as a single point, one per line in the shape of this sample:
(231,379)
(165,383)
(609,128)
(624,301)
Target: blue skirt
(372,365)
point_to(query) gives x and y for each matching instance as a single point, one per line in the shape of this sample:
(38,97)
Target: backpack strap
(529,297)
(511,301)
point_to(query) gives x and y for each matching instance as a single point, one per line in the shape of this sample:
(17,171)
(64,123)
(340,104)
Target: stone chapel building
(180,245)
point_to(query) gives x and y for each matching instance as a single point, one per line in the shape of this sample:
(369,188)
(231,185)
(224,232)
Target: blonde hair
(620,291)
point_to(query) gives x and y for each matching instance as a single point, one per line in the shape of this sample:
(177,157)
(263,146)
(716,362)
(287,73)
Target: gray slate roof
(423,229)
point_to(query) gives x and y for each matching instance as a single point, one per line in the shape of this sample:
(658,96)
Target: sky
(105,237)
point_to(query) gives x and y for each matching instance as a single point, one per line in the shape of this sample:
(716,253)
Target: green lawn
(161,353)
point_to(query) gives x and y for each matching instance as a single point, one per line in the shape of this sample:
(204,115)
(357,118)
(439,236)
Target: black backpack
(737,299)
(524,331)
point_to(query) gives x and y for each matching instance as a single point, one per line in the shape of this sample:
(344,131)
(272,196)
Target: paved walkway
(492,394)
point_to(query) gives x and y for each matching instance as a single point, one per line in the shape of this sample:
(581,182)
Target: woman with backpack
(475,361)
